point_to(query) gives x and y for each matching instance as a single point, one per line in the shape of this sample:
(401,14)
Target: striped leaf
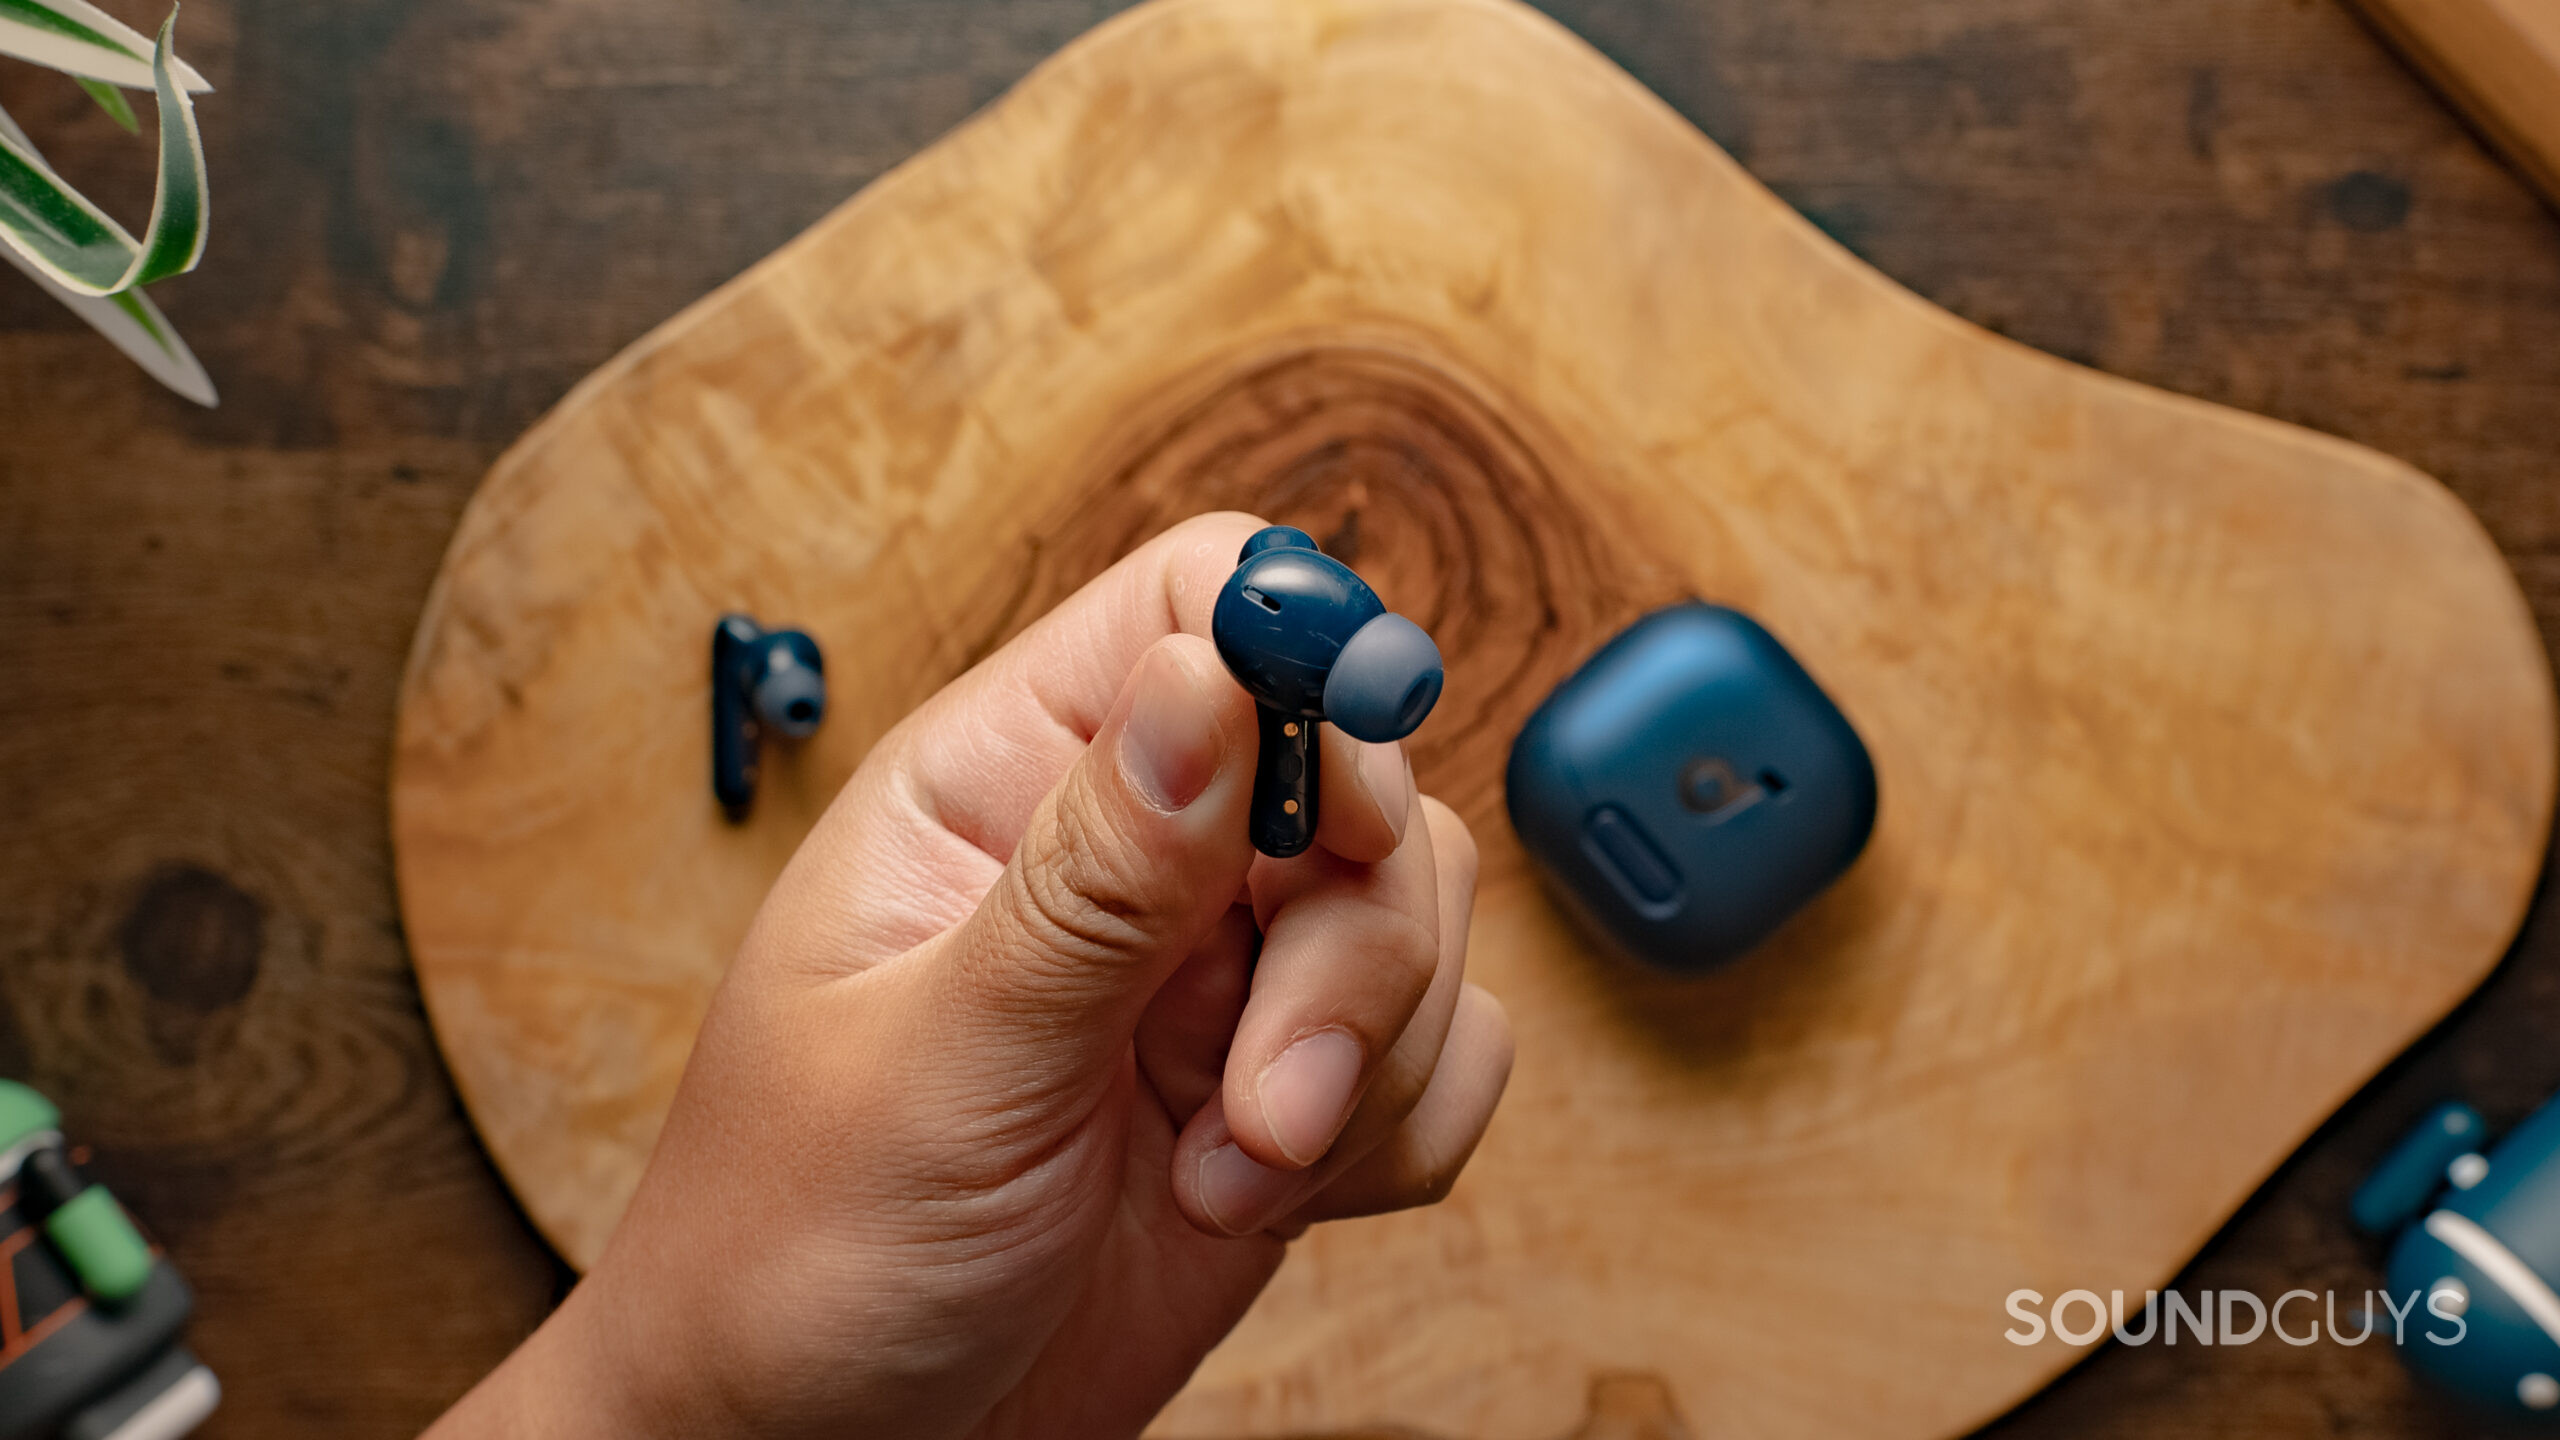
(79,246)
(129,320)
(111,100)
(78,38)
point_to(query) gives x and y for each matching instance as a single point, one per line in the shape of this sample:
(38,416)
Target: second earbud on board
(1311,642)
(761,682)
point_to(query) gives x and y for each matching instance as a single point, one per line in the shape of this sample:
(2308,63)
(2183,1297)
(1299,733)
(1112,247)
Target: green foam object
(92,1233)
(100,1244)
(23,1112)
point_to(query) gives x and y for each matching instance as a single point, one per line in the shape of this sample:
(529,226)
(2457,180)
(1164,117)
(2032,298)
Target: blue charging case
(1690,787)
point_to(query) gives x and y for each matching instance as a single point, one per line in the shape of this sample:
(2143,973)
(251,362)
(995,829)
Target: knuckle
(1409,948)
(1442,1179)
(1399,1085)
(1436,1165)
(1424,1173)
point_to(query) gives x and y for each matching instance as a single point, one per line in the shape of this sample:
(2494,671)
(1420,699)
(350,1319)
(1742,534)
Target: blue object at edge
(2400,1186)
(2498,1351)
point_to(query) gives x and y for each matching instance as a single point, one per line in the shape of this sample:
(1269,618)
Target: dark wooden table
(434,216)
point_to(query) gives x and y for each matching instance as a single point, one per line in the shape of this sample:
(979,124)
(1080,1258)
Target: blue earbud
(1312,642)
(2478,1257)
(760,680)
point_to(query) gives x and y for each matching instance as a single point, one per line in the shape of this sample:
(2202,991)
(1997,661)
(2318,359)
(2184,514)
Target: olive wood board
(2216,755)
(2499,62)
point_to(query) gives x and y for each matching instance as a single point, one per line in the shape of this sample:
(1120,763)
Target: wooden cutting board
(2499,60)
(2217,756)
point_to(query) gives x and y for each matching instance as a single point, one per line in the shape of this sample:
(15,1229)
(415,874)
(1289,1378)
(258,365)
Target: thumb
(1124,868)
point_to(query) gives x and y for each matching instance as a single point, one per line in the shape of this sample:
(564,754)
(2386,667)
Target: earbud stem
(734,733)
(1284,785)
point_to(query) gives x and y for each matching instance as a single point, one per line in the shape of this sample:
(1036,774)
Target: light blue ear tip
(1275,537)
(1385,681)
(792,699)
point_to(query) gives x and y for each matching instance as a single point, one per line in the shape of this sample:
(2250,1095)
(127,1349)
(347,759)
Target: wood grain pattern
(2500,61)
(2217,755)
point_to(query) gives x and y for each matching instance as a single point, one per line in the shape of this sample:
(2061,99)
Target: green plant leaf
(129,321)
(135,326)
(80,246)
(78,38)
(111,100)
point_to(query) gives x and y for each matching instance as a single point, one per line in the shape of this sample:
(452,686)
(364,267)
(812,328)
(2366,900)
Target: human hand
(1029,1066)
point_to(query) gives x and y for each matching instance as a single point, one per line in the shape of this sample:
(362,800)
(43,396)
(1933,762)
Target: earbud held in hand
(761,682)
(1311,642)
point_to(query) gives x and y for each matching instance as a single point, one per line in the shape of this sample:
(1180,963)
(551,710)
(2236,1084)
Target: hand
(1029,1067)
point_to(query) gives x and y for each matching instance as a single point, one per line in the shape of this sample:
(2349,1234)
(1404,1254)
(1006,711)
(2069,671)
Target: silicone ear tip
(792,699)
(1384,682)
(1275,537)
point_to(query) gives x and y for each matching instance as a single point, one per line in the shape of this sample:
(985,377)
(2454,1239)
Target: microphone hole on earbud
(1773,782)
(1265,601)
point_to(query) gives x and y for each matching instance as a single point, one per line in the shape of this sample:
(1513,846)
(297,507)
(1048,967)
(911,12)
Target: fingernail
(1306,1093)
(1240,1195)
(1382,769)
(1170,745)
